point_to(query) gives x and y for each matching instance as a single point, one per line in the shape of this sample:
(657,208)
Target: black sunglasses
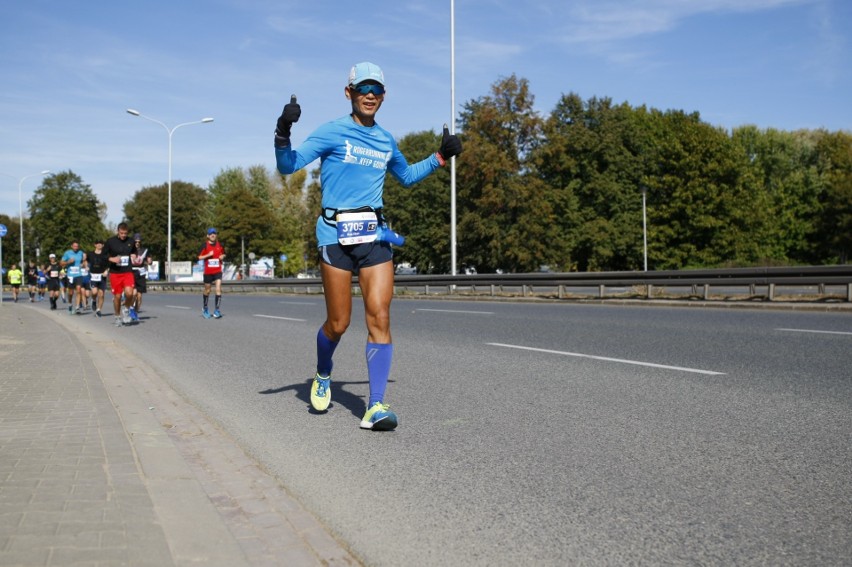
(368,88)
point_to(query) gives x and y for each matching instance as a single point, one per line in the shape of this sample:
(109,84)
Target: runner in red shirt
(213,255)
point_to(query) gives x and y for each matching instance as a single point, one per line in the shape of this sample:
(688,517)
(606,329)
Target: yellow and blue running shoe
(321,392)
(379,418)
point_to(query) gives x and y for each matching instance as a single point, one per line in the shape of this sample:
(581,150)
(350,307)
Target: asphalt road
(540,434)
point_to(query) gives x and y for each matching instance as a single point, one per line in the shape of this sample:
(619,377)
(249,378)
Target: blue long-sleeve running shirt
(354,160)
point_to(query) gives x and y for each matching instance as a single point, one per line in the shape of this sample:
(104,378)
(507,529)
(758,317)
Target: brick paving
(103,464)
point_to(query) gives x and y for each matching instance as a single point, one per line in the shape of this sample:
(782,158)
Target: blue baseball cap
(366,72)
(212,231)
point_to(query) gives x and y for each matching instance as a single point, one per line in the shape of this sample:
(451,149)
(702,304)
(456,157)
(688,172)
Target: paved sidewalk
(103,464)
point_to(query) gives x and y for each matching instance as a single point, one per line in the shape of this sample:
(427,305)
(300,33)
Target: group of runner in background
(81,279)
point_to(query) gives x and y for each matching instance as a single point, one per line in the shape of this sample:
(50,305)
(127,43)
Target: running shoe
(98,313)
(125,315)
(133,315)
(321,392)
(379,418)
(217,315)
(118,322)
(205,313)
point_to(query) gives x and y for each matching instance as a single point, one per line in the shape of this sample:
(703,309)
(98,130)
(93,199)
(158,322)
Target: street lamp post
(170,131)
(453,234)
(21,205)
(645,227)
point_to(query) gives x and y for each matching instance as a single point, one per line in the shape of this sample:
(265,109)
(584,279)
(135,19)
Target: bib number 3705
(356,228)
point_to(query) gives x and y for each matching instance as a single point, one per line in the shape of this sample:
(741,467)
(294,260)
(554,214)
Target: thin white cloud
(600,21)
(832,57)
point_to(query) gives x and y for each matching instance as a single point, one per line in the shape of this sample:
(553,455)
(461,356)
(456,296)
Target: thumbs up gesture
(450,146)
(291,113)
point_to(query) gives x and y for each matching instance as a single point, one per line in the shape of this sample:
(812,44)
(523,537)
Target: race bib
(143,272)
(96,277)
(73,271)
(357,228)
(124,260)
(54,274)
(213,262)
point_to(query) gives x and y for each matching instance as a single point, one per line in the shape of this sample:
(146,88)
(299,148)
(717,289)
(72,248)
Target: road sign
(2,230)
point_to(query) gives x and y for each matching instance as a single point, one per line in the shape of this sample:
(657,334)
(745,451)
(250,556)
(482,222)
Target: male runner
(72,261)
(31,277)
(42,283)
(212,254)
(355,154)
(119,251)
(98,266)
(140,275)
(15,276)
(54,278)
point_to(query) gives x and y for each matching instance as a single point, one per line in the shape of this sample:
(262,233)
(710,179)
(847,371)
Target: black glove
(291,113)
(450,146)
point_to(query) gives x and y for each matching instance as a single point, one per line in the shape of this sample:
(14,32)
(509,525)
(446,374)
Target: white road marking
(815,331)
(297,302)
(457,311)
(276,317)
(178,307)
(608,359)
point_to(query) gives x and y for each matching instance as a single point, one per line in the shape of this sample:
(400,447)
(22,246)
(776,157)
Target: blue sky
(70,69)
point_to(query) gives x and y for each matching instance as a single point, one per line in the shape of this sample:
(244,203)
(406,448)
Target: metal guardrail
(701,283)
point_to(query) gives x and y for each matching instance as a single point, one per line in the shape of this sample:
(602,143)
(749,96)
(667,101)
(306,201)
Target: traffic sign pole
(2,234)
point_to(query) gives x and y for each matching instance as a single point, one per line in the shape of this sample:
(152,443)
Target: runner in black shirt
(53,276)
(119,250)
(98,266)
(32,280)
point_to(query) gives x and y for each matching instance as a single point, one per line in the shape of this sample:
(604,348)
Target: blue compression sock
(379,358)
(325,350)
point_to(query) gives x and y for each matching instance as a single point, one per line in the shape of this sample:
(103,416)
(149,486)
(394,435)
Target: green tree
(12,242)
(147,213)
(243,218)
(289,202)
(260,183)
(421,212)
(259,210)
(505,219)
(594,160)
(63,209)
(700,206)
(783,176)
(835,224)
(313,204)
(227,180)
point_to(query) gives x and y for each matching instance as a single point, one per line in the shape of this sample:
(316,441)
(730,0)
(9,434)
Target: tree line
(563,190)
